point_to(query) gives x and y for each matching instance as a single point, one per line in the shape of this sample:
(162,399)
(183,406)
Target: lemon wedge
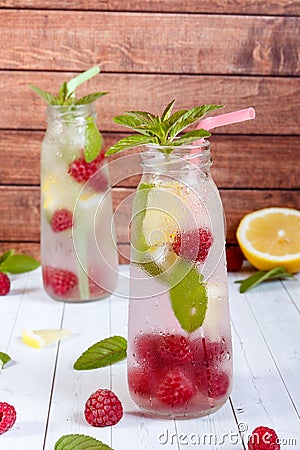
(42,338)
(270,237)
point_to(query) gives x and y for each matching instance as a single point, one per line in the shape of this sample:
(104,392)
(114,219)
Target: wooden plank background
(239,54)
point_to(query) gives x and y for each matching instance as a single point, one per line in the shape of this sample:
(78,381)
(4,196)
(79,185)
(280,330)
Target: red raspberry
(60,281)
(8,417)
(82,171)
(4,284)
(174,348)
(62,219)
(145,349)
(235,258)
(263,438)
(193,245)
(103,408)
(175,389)
(209,353)
(141,381)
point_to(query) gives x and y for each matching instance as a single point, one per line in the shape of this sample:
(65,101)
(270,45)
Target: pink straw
(227,119)
(223,119)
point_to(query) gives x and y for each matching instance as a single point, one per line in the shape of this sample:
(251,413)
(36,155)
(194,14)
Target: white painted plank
(259,395)
(27,383)
(89,323)
(214,432)
(293,289)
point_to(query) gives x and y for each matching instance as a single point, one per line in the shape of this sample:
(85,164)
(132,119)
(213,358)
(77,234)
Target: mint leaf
(163,130)
(73,84)
(129,142)
(103,353)
(90,98)
(93,141)
(79,442)
(262,275)
(19,264)
(6,255)
(4,358)
(167,111)
(191,136)
(44,95)
(188,296)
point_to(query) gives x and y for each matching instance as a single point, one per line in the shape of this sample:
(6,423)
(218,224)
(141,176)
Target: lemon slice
(41,338)
(270,237)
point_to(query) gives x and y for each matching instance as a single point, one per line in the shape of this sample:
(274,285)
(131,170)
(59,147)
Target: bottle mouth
(202,145)
(181,157)
(70,113)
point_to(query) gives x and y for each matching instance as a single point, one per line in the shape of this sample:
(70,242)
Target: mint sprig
(4,359)
(79,442)
(14,263)
(103,353)
(161,130)
(67,91)
(277,273)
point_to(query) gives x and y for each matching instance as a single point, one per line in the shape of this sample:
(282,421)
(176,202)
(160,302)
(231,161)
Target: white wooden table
(49,395)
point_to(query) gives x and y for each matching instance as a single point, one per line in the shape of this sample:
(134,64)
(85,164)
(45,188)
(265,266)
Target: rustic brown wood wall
(238,53)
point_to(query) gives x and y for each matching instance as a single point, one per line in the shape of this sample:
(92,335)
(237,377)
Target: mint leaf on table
(4,358)
(103,353)
(79,442)
(18,263)
(5,256)
(93,141)
(260,276)
(161,130)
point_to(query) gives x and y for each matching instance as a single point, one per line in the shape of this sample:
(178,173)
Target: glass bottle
(179,338)
(78,252)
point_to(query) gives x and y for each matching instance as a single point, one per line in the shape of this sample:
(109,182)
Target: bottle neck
(75,114)
(183,159)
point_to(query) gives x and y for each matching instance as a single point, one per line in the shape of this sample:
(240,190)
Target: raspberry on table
(60,281)
(103,408)
(175,389)
(4,284)
(8,416)
(234,258)
(263,438)
(193,245)
(62,220)
(82,171)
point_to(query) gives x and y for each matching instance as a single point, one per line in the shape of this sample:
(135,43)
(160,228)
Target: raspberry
(193,245)
(175,389)
(263,438)
(234,258)
(7,417)
(60,281)
(103,408)
(145,349)
(62,219)
(209,353)
(174,348)
(141,381)
(4,284)
(82,171)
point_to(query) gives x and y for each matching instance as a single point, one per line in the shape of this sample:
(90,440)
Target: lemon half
(270,237)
